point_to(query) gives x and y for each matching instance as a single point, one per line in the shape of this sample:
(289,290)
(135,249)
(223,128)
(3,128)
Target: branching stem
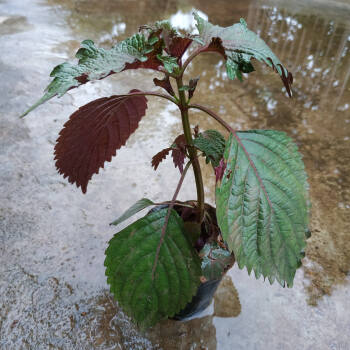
(195,53)
(213,115)
(191,57)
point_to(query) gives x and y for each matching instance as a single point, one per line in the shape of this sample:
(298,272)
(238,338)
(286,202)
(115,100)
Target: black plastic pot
(200,301)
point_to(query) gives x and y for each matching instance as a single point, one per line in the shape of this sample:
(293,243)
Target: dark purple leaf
(165,84)
(192,87)
(178,46)
(219,170)
(179,152)
(159,157)
(178,159)
(94,132)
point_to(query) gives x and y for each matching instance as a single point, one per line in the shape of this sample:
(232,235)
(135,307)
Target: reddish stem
(151,93)
(171,206)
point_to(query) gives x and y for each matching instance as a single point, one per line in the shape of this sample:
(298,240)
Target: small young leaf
(169,63)
(219,170)
(94,132)
(129,262)
(212,144)
(192,87)
(97,63)
(239,45)
(262,203)
(215,260)
(175,44)
(179,152)
(159,157)
(165,84)
(135,208)
(178,159)
(234,70)
(165,29)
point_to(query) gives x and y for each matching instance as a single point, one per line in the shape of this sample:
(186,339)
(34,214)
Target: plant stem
(192,152)
(213,115)
(166,220)
(151,93)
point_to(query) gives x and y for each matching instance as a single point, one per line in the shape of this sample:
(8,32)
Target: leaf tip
(243,22)
(24,114)
(219,170)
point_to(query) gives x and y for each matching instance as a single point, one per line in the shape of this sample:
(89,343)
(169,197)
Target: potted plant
(166,264)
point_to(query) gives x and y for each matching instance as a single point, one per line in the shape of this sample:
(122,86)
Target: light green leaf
(170,63)
(212,144)
(166,26)
(215,260)
(135,208)
(94,64)
(130,258)
(241,45)
(184,88)
(262,203)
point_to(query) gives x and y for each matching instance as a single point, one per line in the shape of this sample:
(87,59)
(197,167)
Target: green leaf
(166,26)
(212,144)
(130,259)
(135,208)
(97,63)
(262,203)
(170,63)
(184,88)
(240,45)
(215,260)
(174,43)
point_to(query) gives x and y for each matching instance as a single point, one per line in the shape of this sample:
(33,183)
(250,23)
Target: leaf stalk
(166,220)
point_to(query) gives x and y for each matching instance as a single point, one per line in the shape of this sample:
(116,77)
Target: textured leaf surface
(178,152)
(239,45)
(159,157)
(219,170)
(94,132)
(262,203)
(97,63)
(215,260)
(178,46)
(169,62)
(212,144)
(192,87)
(175,44)
(129,262)
(165,84)
(135,208)
(178,159)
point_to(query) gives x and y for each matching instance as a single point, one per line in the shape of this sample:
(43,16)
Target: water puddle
(52,238)
(13,24)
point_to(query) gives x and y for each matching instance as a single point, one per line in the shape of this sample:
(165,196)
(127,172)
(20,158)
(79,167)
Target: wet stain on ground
(13,24)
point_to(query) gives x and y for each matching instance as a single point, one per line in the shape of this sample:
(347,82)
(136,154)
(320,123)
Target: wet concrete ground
(53,293)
